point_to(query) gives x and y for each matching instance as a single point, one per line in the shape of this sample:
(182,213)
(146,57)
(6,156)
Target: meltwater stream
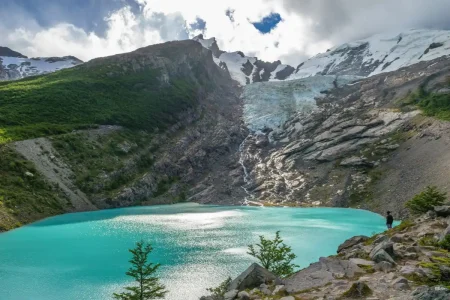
(85,255)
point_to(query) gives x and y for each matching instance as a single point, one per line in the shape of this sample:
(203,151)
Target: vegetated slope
(145,89)
(147,126)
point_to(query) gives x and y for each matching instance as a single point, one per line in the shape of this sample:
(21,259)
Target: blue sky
(268,23)
(290,30)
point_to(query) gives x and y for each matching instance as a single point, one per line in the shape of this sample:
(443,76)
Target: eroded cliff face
(362,146)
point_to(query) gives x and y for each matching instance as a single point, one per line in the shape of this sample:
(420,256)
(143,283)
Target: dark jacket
(389,219)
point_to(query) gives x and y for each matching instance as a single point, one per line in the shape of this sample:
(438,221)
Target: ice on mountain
(270,104)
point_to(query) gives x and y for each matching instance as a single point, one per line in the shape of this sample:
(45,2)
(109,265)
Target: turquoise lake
(85,255)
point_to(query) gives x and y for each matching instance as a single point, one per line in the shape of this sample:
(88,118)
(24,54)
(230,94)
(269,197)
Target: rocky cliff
(361,144)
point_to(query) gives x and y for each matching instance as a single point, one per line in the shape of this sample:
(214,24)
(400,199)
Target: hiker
(389,220)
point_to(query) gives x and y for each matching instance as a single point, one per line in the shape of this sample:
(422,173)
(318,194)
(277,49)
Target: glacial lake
(85,255)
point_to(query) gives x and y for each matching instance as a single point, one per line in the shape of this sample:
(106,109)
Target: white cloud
(308,27)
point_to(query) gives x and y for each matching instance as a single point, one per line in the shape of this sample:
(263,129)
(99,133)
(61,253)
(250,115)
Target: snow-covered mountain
(377,54)
(245,69)
(14,65)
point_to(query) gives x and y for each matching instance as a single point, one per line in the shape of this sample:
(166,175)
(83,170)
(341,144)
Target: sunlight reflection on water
(85,255)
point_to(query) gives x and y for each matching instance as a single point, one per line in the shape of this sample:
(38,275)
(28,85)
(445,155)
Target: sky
(289,30)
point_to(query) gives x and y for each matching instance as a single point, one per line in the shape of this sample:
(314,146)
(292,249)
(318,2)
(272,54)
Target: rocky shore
(408,262)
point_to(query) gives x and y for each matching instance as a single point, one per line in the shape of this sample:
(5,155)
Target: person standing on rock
(389,220)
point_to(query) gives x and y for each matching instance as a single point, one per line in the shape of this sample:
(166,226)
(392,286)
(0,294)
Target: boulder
(359,290)
(401,286)
(243,295)
(230,295)
(431,293)
(278,289)
(362,262)
(386,246)
(380,239)
(253,277)
(382,255)
(442,211)
(384,266)
(321,273)
(444,233)
(352,242)
(287,298)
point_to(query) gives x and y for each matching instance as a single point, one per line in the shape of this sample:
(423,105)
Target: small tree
(219,291)
(143,272)
(426,200)
(274,255)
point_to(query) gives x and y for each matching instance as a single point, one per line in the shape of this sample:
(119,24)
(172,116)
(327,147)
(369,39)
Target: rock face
(341,151)
(244,69)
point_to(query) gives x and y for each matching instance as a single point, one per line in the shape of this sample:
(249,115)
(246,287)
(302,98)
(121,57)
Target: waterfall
(247,179)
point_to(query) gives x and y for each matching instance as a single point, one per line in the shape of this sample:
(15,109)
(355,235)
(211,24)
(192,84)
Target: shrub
(220,290)
(445,243)
(426,200)
(274,255)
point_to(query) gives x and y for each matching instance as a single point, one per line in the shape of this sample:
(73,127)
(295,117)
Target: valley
(171,123)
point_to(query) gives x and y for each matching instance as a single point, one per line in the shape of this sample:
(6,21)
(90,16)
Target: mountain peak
(5,51)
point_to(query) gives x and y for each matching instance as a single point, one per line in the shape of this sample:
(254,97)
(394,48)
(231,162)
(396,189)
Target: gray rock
(382,255)
(352,242)
(444,233)
(384,266)
(431,293)
(386,246)
(265,291)
(320,273)
(279,289)
(400,280)
(380,239)
(442,211)
(243,295)
(230,295)
(253,277)
(401,286)
(363,262)
(355,161)
(287,298)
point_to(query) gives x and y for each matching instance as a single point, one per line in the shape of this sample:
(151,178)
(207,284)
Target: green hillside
(82,96)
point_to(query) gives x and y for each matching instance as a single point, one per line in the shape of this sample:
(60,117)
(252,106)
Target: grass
(24,195)
(99,164)
(81,96)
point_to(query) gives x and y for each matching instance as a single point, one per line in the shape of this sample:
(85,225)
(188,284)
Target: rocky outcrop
(349,276)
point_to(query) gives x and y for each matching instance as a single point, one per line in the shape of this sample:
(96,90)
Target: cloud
(341,21)
(307,26)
